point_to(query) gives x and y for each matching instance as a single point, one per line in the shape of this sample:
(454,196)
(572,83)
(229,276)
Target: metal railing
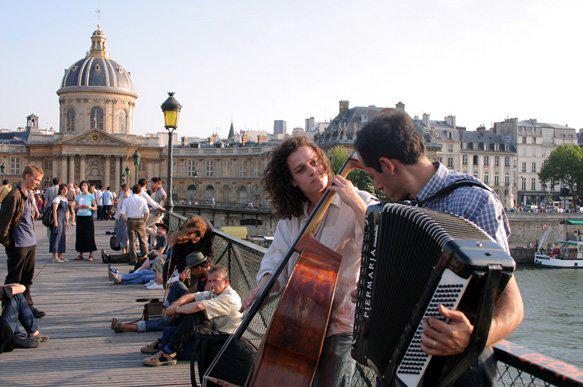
(517,365)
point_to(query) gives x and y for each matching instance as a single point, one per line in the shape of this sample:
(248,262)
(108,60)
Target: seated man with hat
(195,275)
(215,311)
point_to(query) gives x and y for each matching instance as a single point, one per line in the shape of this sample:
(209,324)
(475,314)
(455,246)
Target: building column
(82,168)
(117,174)
(106,172)
(55,168)
(71,169)
(63,170)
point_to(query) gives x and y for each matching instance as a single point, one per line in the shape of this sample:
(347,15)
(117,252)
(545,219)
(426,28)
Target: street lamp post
(2,171)
(137,157)
(171,109)
(127,170)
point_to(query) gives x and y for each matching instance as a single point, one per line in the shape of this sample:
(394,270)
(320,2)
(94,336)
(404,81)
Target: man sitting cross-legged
(192,279)
(215,311)
(16,312)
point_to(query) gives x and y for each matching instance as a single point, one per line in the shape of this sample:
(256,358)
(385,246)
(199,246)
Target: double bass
(291,346)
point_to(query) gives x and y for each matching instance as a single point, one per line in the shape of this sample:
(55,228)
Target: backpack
(48,218)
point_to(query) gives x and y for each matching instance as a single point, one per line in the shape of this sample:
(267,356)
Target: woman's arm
(55,220)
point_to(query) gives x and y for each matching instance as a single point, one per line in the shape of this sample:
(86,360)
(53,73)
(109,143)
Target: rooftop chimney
(343,107)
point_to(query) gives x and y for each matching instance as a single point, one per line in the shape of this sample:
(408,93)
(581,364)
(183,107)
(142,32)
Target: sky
(254,62)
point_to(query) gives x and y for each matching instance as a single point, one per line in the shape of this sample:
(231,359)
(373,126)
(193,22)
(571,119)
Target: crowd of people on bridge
(198,298)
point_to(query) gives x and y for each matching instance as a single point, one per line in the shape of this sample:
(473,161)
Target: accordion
(413,260)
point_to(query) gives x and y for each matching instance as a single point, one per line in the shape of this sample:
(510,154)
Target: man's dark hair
(143,182)
(124,186)
(156,180)
(56,181)
(136,189)
(108,188)
(5,182)
(389,135)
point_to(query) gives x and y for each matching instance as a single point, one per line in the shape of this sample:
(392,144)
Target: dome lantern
(98,44)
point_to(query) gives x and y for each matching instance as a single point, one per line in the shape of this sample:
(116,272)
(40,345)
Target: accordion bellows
(413,260)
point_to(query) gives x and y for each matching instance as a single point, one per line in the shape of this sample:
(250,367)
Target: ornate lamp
(137,157)
(171,109)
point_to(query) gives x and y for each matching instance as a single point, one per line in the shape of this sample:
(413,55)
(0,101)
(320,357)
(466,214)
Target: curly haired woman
(296,178)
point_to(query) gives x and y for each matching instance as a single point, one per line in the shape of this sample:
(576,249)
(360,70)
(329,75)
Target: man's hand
(170,311)
(249,299)
(354,295)
(446,338)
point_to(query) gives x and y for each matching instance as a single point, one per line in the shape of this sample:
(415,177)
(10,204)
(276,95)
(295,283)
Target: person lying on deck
(16,312)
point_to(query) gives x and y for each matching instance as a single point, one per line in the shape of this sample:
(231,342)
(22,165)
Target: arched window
(226,194)
(502,147)
(70,120)
(481,146)
(209,193)
(122,121)
(96,118)
(242,195)
(470,145)
(492,146)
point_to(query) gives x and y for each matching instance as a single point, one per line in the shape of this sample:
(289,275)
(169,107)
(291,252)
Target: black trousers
(21,267)
(188,325)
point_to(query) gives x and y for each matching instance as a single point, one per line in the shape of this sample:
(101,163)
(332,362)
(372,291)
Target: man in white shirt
(210,312)
(134,211)
(107,203)
(99,200)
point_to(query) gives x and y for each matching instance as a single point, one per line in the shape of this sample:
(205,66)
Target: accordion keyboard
(448,293)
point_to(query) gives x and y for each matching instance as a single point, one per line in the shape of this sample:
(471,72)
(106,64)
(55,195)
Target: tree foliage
(359,178)
(565,167)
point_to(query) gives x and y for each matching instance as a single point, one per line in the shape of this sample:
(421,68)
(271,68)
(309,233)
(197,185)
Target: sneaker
(37,313)
(160,359)
(116,278)
(25,341)
(112,269)
(151,348)
(154,286)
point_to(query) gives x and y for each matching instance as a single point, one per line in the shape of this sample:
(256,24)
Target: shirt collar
(437,182)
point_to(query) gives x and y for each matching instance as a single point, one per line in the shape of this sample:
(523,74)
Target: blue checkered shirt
(475,204)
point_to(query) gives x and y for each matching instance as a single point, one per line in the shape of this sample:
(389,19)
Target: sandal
(90,258)
(79,257)
(41,338)
(115,325)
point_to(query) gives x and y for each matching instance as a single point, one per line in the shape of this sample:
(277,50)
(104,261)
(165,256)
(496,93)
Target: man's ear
(387,165)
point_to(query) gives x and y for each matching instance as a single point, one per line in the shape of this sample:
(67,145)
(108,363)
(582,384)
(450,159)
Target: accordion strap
(452,187)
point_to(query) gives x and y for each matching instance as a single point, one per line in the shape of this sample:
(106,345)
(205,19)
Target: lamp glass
(127,171)
(137,158)
(171,118)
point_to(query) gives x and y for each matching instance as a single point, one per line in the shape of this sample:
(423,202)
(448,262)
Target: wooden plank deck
(80,301)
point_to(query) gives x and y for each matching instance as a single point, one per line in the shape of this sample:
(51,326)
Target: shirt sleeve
(368,199)
(222,305)
(123,208)
(145,210)
(57,200)
(276,252)
(149,200)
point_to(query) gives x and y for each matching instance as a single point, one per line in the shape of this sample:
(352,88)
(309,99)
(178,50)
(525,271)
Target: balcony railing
(517,366)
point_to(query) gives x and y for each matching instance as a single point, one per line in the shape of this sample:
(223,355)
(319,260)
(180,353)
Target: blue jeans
(142,276)
(175,291)
(336,364)
(15,310)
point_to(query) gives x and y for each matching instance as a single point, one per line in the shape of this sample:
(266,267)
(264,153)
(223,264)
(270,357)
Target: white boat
(568,254)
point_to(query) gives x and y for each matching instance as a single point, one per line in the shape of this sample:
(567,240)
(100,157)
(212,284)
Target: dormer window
(75,68)
(97,68)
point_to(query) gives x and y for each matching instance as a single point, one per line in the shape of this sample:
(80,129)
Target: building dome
(97,69)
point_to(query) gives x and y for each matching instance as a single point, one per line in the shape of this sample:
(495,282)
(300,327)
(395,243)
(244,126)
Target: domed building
(97,93)
(95,140)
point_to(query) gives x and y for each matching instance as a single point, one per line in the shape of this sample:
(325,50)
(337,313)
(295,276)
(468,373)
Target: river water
(553,312)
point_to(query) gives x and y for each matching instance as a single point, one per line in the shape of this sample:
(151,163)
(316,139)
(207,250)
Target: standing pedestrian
(107,203)
(99,199)
(17,232)
(134,211)
(121,230)
(49,194)
(156,214)
(71,194)
(85,231)
(60,208)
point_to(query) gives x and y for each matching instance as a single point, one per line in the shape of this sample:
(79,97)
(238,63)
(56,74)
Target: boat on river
(566,254)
